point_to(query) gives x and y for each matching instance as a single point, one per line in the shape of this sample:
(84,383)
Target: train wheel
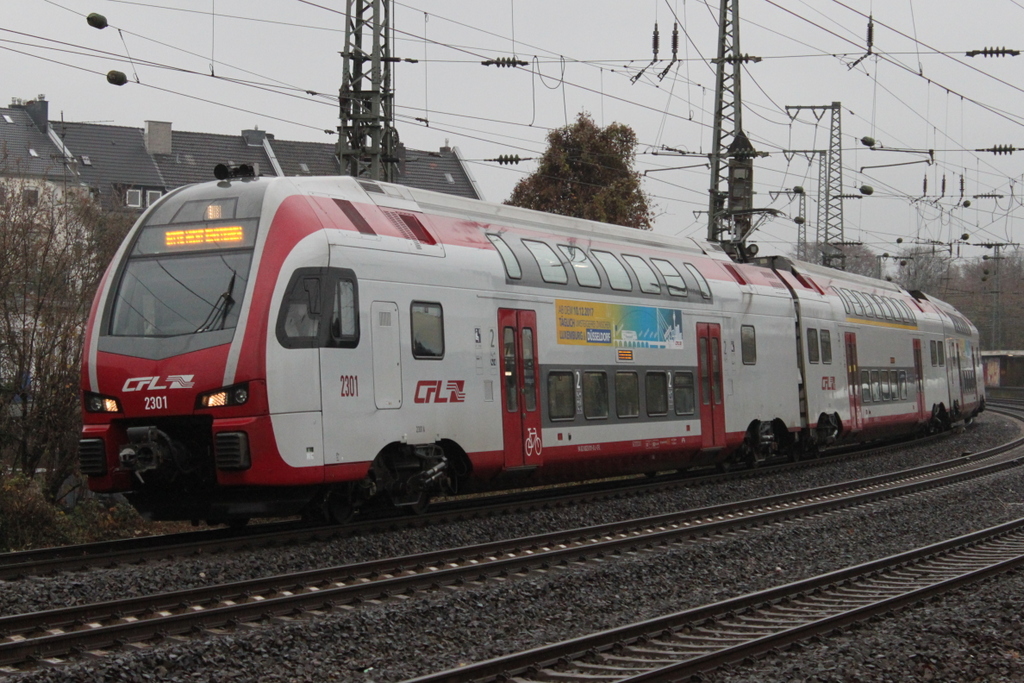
(339,507)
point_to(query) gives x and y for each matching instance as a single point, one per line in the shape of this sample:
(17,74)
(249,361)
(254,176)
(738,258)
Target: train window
(884,384)
(934,353)
(512,268)
(561,396)
(644,275)
(716,370)
(705,377)
(876,390)
(656,391)
(585,272)
(682,389)
(890,314)
(509,369)
(705,288)
(675,282)
(345,314)
(858,305)
(865,385)
(595,395)
(812,345)
(529,371)
(843,298)
(299,322)
(908,313)
(903,384)
(627,394)
(206,210)
(551,269)
(618,278)
(748,344)
(941,348)
(427,330)
(826,347)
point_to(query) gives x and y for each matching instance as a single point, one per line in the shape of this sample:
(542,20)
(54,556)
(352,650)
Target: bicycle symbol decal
(533,443)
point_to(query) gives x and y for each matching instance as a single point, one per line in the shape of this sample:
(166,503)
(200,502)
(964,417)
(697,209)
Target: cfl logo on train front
(153,383)
(429,391)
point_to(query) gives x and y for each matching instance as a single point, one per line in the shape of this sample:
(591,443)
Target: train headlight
(228,396)
(97,403)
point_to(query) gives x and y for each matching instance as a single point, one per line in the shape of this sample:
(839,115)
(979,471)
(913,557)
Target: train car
(265,347)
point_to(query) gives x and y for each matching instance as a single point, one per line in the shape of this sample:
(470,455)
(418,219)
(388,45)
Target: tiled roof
(110,158)
(25,150)
(193,156)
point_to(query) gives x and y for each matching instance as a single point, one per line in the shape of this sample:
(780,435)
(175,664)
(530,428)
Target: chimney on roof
(39,110)
(446,149)
(254,138)
(157,137)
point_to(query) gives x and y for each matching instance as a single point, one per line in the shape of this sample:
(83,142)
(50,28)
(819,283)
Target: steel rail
(673,647)
(57,632)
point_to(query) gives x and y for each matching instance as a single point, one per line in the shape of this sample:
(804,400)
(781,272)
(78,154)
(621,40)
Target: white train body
(270,346)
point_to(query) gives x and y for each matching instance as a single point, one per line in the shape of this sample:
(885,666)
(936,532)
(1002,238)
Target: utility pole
(800,219)
(997,321)
(730,213)
(367,141)
(830,188)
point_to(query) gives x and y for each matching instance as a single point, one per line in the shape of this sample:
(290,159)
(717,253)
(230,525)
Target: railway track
(687,643)
(44,561)
(51,636)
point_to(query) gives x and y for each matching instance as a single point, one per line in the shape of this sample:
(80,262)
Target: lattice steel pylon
(367,141)
(830,236)
(728,110)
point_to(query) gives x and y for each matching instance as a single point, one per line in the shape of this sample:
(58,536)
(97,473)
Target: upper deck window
(702,283)
(582,267)
(509,259)
(618,278)
(551,269)
(644,275)
(675,282)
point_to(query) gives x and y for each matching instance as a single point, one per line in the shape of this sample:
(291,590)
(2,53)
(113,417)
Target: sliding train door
(709,368)
(520,390)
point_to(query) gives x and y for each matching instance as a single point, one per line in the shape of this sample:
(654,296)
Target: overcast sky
(918,91)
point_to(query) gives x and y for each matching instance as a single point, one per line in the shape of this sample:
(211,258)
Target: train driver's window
(644,275)
(585,272)
(627,394)
(865,385)
(512,268)
(748,344)
(656,391)
(682,388)
(551,269)
(826,347)
(903,384)
(595,395)
(618,278)
(345,314)
(427,330)
(298,324)
(561,396)
(675,282)
(812,345)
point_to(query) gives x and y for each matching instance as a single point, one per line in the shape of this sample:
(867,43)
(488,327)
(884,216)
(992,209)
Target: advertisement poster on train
(589,323)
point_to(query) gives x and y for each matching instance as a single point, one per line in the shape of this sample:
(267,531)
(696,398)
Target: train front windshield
(187,276)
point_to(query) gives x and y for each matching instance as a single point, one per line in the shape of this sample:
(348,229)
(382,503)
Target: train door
(853,380)
(919,372)
(520,395)
(387,360)
(709,367)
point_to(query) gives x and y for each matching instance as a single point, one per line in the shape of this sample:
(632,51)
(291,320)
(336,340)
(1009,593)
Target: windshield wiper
(221,308)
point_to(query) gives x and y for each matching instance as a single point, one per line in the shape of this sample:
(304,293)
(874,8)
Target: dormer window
(8,119)
(86,161)
(32,152)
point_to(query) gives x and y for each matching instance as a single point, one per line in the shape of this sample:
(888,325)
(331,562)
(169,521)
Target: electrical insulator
(903,263)
(508,159)
(798,189)
(871,32)
(505,62)
(654,41)
(994,52)
(675,41)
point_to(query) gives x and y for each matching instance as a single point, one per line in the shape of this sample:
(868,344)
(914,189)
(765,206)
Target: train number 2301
(349,385)
(156,403)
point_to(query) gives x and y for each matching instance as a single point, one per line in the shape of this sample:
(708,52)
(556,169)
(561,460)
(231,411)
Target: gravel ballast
(393,641)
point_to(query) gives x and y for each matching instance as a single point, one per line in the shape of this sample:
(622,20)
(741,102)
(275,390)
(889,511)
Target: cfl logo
(429,391)
(153,383)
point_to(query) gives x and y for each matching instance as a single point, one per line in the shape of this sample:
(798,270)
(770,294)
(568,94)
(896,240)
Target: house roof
(25,150)
(110,159)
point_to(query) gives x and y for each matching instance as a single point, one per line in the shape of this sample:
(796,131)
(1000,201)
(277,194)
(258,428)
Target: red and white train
(266,347)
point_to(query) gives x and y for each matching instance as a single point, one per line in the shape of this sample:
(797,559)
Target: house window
(30,196)
(134,199)
(152,196)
